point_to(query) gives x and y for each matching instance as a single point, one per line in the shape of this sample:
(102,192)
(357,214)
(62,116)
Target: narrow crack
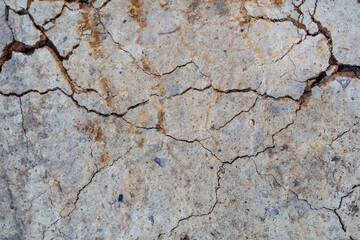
(23,124)
(343,133)
(324,31)
(238,114)
(136,60)
(74,204)
(221,170)
(16,46)
(301,199)
(340,205)
(278,183)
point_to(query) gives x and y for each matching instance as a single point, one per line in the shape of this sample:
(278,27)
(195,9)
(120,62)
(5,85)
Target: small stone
(159,161)
(120,198)
(87,32)
(48,25)
(251,123)
(344,82)
(151,219)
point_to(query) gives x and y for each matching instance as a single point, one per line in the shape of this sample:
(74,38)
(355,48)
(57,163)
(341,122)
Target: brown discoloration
(132,128)
(92,130)
(278,2)
(161,117)
(141,142)
(136,12)
(61,67)
(91,22)
(162,89)
(145,64)
(28,4)
(250,44)
(209,106)
(104,84)
(143,116)
(104,158)
(193,11)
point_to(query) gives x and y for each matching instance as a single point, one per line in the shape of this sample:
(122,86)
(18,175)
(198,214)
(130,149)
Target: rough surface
(179,119)
(23,28)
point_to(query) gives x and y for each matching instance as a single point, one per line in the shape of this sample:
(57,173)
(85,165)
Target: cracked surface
(179,120)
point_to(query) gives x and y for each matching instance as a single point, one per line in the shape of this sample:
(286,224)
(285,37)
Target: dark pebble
(158,161)
(120,198)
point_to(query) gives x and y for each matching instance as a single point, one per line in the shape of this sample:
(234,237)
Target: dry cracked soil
(166,119)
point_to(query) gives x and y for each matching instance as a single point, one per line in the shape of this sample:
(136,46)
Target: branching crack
(74,204)
(221,170)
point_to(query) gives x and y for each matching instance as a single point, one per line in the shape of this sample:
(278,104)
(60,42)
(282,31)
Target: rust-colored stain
(161,117)
(193,11)
(278,2)
(145,64)
(104,158)
(208,109)
(250,44)
(104,84)
(141,142)
(92,130)
(136,12)
(143,116)
(323,216)
(91,23)
(132,128)
(162,89)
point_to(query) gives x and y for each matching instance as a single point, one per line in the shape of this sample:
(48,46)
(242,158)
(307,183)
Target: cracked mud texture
(214,119)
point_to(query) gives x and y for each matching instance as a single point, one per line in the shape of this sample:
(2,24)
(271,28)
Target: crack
(326,33)
(238,114)
(19,224)
(169,32)
(74,204)
(343,133)
(187,90)
(74,101)
(340,220)
(192,141)
(302,199)
(278,183)
(287,52)
(23,124)
(340,205)
(104,4)
(245,90)
(221,170)
(136,60)
(53,20)
(19,95)
(98,170)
